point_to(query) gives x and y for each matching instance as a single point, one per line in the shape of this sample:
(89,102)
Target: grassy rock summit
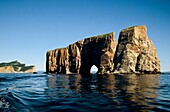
(16,67)
(134,53)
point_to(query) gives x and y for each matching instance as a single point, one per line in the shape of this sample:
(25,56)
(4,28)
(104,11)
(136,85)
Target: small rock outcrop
(82,55)
(135,52)
(16,67)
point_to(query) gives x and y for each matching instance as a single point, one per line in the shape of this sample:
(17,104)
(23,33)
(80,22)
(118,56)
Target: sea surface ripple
(87,93)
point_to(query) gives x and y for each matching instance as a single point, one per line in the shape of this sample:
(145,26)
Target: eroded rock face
(135,52)
(82,55)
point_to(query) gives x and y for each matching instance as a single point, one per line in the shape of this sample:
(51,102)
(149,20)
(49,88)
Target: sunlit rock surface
(135,52)
(82,55)
(16,67)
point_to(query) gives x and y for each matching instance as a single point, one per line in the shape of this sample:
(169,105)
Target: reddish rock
(135,53)
(82,55)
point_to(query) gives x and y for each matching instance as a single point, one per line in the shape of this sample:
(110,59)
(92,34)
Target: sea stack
(135,52)
(82,55)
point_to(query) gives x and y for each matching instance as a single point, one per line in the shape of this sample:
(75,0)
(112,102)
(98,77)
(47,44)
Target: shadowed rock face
(135,53)
(98,51)
(82,55)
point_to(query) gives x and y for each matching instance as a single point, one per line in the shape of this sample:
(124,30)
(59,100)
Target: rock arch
(93,69)
(82,55)
(135,53)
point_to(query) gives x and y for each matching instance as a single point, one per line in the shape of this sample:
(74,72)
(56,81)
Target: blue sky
(29,28)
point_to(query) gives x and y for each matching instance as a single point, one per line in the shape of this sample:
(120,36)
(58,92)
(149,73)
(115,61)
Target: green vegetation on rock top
(17,66)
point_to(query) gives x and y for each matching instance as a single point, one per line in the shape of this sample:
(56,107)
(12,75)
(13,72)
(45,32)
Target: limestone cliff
(16,67)
(82,55)
(6,69)
(135,52)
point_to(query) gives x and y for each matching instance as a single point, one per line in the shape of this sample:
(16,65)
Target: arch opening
(93,69)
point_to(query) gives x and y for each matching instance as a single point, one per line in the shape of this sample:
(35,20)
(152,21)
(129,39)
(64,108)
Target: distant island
(16,67)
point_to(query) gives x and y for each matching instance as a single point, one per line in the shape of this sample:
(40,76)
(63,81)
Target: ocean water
(87,93)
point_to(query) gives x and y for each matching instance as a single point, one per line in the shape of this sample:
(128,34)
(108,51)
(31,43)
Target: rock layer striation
(135,53)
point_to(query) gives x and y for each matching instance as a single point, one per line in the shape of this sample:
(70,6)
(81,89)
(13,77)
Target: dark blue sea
(86,93)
